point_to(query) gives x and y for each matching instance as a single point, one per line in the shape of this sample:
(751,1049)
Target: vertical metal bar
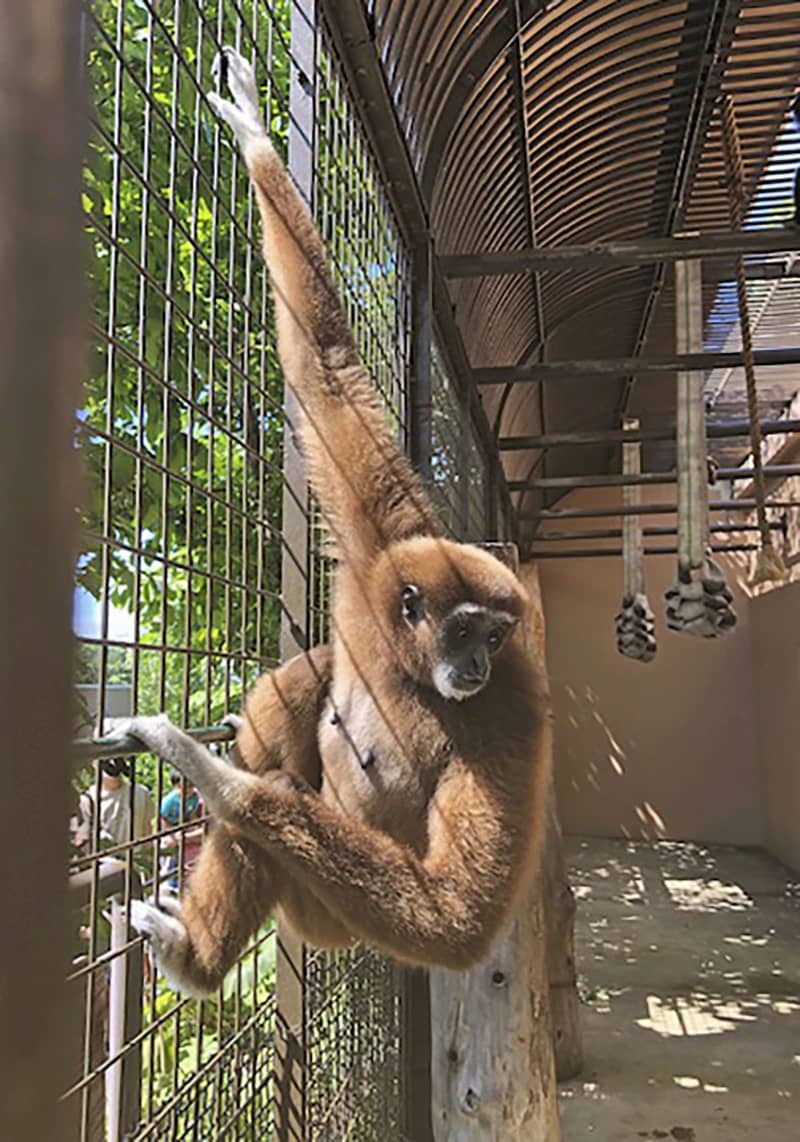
(290,968)
(421,343)
(415,1044)
(691,417)
(41,351)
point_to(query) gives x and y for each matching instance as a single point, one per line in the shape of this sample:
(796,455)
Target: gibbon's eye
(462,630)
(495,639)
(413,604)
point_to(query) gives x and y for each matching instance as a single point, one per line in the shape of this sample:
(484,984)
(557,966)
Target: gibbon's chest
(373,768)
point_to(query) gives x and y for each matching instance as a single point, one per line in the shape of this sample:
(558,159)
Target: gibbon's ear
(413,605)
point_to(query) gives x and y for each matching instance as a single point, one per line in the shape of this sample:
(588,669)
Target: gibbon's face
(454,609)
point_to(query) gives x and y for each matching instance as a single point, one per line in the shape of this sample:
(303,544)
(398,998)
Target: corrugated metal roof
(586,120)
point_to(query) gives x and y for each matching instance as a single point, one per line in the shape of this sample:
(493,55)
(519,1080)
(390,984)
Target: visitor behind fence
(177,807)
(126,811)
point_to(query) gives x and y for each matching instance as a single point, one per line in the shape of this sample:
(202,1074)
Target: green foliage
(181,422)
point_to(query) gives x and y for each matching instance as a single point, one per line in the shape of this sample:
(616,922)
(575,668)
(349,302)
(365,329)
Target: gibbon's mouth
(457,687)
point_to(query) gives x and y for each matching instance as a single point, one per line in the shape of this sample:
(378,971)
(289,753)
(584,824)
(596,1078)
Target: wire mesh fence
(180,597)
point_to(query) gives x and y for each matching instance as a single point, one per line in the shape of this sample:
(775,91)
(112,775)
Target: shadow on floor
(689,965)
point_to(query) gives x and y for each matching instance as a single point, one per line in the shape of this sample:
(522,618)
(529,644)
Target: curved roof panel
(576,121)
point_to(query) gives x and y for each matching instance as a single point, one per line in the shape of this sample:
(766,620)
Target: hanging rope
(700,603)
(770,566)
(636,632)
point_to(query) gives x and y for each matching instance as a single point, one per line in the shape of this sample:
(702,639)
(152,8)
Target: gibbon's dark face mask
(114,767)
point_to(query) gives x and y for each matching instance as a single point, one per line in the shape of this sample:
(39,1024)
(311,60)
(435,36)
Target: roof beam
(719,431)
(601,552)
(562,514)
(643,251)
(616,480)
(658,529)
(622,366)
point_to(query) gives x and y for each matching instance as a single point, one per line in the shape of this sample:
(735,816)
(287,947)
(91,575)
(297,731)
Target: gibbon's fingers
(244,127)
(234,753)
(231,68)
(220,785)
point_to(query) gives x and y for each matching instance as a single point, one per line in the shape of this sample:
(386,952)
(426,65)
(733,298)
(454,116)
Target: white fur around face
(441,680)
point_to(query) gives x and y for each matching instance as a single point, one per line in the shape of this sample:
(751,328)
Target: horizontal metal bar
(719,431)
(108,877)
(616,480)
(646,251)
(610,552)
(648,509)
(98,749)
(631,366)
(659,529)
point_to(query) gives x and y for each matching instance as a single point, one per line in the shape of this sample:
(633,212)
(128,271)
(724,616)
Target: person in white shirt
(126,812)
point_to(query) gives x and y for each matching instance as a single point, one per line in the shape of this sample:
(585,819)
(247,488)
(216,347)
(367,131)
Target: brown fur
(421,851)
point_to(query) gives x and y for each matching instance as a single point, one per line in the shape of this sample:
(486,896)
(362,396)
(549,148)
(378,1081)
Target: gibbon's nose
(477,668)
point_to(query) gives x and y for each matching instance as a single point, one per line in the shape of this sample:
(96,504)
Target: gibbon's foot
(168,941)
(244,114)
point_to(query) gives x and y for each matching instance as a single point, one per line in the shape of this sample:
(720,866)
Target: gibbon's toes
(235,721)
(169,944)
(170,904)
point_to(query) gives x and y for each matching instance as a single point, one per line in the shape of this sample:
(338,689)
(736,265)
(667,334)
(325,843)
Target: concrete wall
(660,750)
(775,621)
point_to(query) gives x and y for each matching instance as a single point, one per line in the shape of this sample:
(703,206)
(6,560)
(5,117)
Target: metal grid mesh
(353,999)
(178,581)
(458,468)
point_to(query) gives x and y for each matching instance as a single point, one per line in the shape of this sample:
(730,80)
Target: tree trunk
(493,1073)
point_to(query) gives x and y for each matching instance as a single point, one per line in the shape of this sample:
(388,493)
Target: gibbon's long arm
(441,910)
(367,490)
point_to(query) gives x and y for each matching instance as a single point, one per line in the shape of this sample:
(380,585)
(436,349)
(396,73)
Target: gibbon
(389,789)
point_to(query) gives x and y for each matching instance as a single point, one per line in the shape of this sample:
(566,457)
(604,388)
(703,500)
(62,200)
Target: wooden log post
(560,915)
(492,1065)
(559,899)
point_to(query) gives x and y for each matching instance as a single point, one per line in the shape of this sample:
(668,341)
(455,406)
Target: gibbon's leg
(231,890)
(443,909)
(236,883)
(367,490)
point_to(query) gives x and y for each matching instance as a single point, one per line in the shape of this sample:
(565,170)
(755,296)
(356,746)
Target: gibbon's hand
(223,787)
(244,114)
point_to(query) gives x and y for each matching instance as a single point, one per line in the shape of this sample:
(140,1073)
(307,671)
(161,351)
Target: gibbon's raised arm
(441,909)
(367,490)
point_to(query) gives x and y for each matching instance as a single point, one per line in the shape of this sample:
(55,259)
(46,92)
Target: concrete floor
(689,963)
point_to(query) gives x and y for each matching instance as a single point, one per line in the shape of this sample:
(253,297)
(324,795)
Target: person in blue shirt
(181,805)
